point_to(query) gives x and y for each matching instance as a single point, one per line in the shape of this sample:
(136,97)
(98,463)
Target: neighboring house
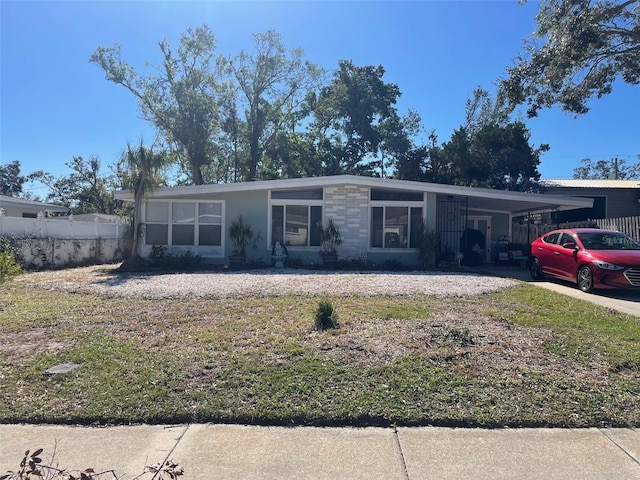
(611,198)
(19,207)
(376,216)
(95,217)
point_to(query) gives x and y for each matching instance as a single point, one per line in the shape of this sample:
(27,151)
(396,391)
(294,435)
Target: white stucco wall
(39,253)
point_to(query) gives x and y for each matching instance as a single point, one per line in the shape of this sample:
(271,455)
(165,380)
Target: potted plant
(331,240)
(242,236)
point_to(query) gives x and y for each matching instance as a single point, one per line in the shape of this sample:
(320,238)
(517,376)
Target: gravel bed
(106,281)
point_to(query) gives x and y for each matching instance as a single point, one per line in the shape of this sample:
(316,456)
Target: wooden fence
(526,234)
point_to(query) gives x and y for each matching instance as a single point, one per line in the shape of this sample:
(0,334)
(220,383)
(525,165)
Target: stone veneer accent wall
(348,205)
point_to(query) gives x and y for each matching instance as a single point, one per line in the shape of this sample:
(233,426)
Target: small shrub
(188,261)
(326,316)
(458,336)
(160,258)
(10,245)
(158,254)
(428,244)
(360,262)
(9,268)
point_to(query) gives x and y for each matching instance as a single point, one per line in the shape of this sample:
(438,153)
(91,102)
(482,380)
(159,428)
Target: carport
(493,212)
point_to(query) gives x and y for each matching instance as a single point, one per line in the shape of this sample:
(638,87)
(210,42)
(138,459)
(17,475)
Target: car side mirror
(570,245)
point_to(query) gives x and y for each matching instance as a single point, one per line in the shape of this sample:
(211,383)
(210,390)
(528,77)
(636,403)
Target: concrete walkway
(244,452)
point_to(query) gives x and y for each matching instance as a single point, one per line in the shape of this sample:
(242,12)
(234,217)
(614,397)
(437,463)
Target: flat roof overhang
(482,199)
(31,206)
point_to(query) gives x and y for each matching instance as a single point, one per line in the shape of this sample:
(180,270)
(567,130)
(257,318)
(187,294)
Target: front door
(483,225)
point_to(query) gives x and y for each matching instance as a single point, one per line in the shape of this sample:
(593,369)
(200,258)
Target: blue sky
(55,105)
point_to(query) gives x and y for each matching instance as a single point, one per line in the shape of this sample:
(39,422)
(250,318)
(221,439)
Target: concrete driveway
(626,301)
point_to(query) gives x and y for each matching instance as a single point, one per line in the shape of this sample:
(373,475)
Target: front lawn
(521,357)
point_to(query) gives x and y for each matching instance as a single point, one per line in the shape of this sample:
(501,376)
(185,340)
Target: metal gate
(451,219)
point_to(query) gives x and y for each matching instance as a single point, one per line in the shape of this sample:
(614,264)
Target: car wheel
(535,269)
(585,279)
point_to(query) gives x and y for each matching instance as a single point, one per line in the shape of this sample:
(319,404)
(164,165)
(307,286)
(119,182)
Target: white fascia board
(31,205)
(196,190)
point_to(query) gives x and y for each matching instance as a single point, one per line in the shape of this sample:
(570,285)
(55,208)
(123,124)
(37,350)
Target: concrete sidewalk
(245,452)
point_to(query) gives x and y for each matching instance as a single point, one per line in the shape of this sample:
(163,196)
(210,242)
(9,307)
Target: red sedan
(591,257)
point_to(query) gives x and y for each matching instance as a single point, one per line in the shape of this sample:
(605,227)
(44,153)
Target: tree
(578,50)
(488,150)
(438,167)
(348,118)
(614,169)
(512,163)
(482,110)
(181,100)
(398,151)
(10,179)
(85,190)
(272,86)
(495,156)
(231,147)
(145,173)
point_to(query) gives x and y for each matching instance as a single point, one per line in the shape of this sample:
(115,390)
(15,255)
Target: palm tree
(145,173)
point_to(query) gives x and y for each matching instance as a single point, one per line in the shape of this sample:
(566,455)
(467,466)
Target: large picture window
(394,226)
(188,224)
(296,217)
(296,225)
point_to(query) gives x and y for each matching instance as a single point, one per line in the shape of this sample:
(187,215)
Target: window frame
(208,250)
(408,205)
(282,202)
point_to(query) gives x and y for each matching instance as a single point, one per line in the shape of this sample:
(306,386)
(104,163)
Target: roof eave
(560,201)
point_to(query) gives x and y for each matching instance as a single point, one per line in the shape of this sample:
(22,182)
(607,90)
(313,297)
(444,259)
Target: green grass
(522,357)
(584,330)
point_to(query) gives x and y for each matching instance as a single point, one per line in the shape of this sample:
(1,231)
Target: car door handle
(556,253)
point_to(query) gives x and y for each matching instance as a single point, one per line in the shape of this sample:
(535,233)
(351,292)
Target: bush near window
(186,261)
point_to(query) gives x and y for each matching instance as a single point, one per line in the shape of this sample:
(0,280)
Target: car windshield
(608,241)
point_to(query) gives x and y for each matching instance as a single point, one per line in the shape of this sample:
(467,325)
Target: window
(296,217)
(176,223)
(396,195)
(552,238)
(184,224)
(309,194)
(210,224)
(296,225)
(157,223)
(567,238)
(395,226)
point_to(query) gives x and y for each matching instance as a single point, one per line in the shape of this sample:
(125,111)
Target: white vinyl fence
(55,243)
